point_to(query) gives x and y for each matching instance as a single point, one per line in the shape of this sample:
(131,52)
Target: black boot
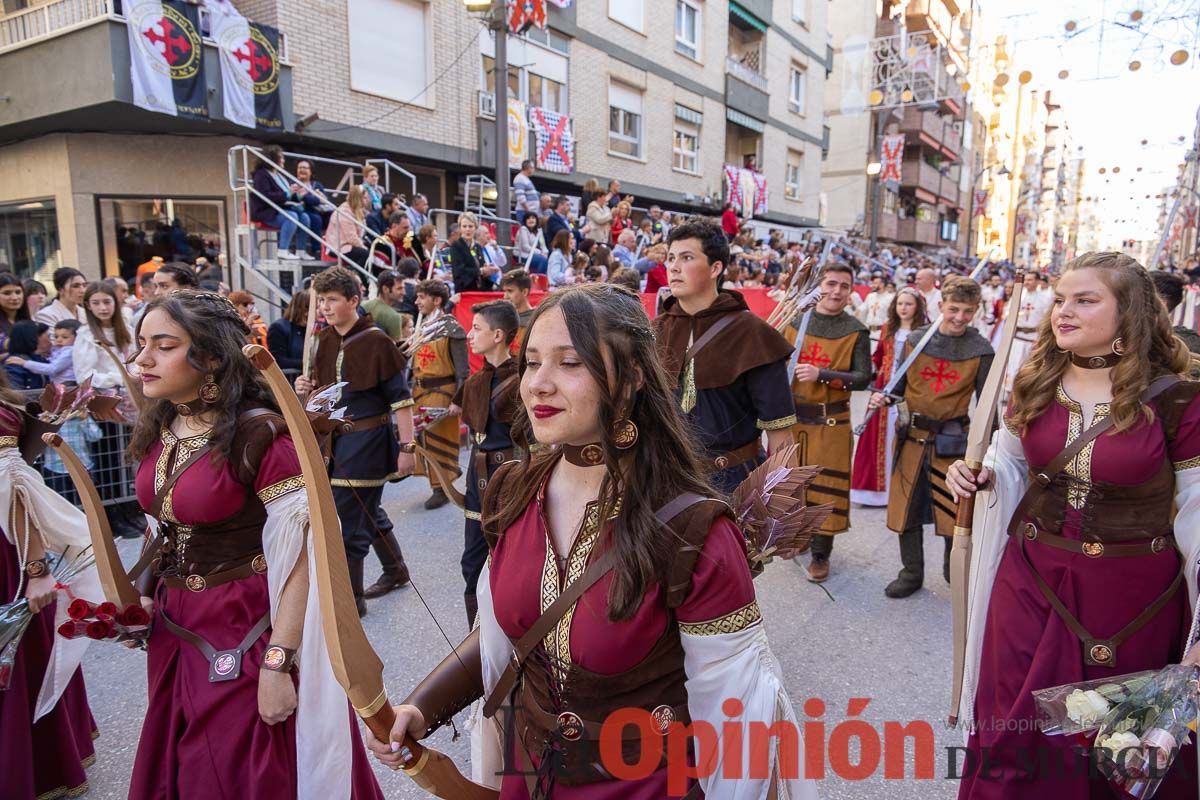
(472,603)
(949,542)
(395,571)
(356,584)
(436,500)
(912,556)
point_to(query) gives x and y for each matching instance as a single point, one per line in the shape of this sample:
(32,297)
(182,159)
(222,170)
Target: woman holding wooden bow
(615,577)
(243,701)
(1077,571)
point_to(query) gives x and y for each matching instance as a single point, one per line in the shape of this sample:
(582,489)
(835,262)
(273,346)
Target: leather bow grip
(963,518)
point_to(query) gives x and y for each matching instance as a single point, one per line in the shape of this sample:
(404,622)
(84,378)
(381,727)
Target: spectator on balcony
(35,295)
(401,237)
(70,285)
(558,268)
(467,263)
(418,213)
(313,194)
(730,222)
(600,216)
(285,336)
(528,200)
(545,208)
(623,252)
(614,194)
(379,221)
(559,219)
(621,220)
(268,203)
(529,250)
(492,253)
(427,236)
(344,235)
(374,192)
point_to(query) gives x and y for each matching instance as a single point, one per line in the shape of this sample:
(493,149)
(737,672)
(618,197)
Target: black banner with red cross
(166,57)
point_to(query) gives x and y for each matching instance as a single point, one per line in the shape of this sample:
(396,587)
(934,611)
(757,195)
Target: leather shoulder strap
(710,334)
(501,386)
(1060,462)
(556,610)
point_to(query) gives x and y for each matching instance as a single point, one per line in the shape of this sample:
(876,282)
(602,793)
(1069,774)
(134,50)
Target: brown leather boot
(818,569)
(436,500)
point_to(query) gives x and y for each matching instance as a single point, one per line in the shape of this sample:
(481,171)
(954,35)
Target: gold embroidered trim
(277,490)
(364,483)
(1009,425)
(1080,467)
(8,441)
(732,622)
(399,404)
(777,424)
(472,515)
(337,365)
(1190,463)
(558,640)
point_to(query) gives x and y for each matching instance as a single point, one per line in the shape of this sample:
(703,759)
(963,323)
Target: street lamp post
(971,212)
(497,23)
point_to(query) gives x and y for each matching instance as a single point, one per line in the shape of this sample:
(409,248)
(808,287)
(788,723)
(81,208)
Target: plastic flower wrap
(1081,707)
(16,616)
(1140,722)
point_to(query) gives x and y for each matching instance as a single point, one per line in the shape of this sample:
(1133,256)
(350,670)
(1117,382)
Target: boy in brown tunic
(937,390)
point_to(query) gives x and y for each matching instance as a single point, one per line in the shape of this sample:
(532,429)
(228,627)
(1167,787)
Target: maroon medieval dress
(586,649)
(203,739)
(1120,488)
(45,759)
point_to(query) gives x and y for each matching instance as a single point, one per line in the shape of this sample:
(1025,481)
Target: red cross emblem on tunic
(816,356)
(425,356)
(940,377)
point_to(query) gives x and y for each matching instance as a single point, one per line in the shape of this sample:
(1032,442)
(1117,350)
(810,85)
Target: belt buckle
(663,717)
(195,583)
(721,461)
(1031,531)
(259,564)
(498,457)
(1158,544)
(570,726)
(1093,549)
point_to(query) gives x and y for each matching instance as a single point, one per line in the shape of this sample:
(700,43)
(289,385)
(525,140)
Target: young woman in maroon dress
(673,629)
(1106,339)
(873,453)
(46,727)
(220,474)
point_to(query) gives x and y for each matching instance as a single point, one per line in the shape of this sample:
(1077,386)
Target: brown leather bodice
(1111,513)
(213,547)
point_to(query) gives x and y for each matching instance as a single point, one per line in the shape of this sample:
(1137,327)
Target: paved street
(860,644)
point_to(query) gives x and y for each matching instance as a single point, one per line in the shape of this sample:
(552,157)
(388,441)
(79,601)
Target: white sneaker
(287,255)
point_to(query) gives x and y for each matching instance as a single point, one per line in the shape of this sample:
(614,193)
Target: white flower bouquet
(1139,721)
(1081,707)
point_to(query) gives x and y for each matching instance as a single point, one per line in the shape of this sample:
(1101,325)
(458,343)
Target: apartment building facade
(660,94)
(927,208)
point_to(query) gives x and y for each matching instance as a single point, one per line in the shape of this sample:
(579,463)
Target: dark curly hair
(218,334)
(607,320)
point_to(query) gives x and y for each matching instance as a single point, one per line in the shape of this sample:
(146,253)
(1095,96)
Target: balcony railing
(915,173)
(62,16)
(744,74)
(915,231)
(51,19)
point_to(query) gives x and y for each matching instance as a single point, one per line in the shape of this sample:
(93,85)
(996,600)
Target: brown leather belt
(572,727)
(1158,544)
(366,424)
(223,665)
(198,583)
(434,383)
(822,413)
(484,457)
(737,457)
(927,423)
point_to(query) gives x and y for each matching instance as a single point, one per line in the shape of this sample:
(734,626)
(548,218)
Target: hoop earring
(624,434)
(210,390)
(1118,346)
